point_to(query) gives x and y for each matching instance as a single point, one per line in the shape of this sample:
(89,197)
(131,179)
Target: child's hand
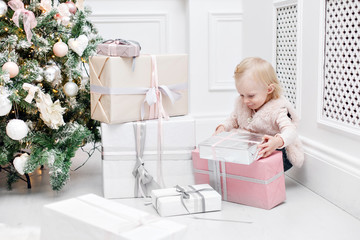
(219,129)
(269,145)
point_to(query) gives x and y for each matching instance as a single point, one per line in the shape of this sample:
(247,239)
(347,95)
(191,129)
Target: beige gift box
(118,93)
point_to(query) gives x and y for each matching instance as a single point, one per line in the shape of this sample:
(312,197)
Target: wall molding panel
(156,21)
(224,29)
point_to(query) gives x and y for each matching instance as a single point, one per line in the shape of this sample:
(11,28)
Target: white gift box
(90,217)
(236,147)
(185,200)
(119,154)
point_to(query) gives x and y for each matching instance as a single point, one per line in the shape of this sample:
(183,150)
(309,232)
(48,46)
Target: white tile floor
(304,215)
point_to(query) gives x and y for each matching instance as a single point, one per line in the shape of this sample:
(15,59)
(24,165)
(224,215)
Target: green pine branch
(51,147)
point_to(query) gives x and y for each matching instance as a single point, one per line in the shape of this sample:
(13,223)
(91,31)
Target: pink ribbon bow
(29,18)
(156,107)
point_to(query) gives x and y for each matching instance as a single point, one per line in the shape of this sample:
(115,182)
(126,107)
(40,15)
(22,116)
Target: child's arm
(270,144)
(230,123)
(287,128)
(219,129)
(286,136)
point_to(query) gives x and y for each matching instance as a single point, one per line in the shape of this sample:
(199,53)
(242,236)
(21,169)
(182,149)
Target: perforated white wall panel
(341,93)
(286,48)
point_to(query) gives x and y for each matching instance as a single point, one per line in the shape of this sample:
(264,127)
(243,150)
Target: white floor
(304,215)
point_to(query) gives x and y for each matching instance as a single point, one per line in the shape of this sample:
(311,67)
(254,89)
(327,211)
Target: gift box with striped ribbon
(260,184)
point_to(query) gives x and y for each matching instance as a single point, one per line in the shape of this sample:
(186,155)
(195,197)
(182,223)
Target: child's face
(253,93)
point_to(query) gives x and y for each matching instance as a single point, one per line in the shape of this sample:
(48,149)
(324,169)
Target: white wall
(258,29)
(215,47)
(217,35)
(159,25)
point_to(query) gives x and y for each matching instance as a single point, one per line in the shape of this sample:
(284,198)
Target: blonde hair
(260,70)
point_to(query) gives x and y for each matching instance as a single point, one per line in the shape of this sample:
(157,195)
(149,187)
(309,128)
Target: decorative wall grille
(341,93)
(286,48)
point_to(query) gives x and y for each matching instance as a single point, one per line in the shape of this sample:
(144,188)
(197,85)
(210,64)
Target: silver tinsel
(52,74)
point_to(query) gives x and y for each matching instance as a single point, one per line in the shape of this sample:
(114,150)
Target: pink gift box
(260,184)
(118,47)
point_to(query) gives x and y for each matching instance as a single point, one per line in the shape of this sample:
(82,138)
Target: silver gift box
(236,147)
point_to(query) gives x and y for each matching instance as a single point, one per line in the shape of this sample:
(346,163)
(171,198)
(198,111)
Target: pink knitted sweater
(271,119)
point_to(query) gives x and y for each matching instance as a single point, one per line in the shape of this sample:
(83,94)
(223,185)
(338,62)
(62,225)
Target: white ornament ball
(20,162)
(5,105)
(17,129)
(60,49)
(12,68)
(3,8)
(71,89)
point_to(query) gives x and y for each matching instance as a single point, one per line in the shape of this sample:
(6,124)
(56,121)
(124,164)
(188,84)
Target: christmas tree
(44,91)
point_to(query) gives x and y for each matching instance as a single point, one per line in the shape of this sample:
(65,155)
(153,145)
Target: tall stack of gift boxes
(149,150)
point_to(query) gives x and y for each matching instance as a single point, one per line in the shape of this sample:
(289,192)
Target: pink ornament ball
(60,49)
(12,68)
(72,7)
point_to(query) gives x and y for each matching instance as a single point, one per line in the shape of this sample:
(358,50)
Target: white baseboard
(330,174)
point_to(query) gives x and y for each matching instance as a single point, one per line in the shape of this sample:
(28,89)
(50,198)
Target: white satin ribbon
(31,91)
(144,182)
(184,193)
(171,91)
(215,175)
(254,154)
